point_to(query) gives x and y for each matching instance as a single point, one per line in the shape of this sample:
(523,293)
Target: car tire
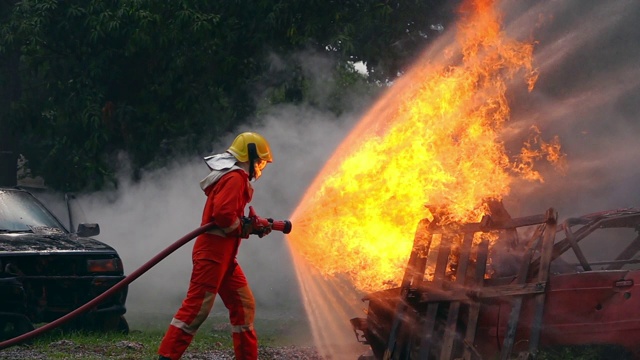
(14,325)
(116,324)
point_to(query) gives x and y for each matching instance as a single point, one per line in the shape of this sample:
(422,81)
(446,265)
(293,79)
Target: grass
(135,345)
(215,334)
(138,345)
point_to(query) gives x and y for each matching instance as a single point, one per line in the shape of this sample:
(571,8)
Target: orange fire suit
(216,271)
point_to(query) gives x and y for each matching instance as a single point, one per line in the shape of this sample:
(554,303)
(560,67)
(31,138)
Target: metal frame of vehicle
(47,272)
(450,305)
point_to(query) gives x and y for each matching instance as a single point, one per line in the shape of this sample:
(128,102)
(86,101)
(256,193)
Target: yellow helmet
(240,147)
(253,148)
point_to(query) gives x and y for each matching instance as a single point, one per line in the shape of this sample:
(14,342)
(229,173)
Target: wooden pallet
(426,320)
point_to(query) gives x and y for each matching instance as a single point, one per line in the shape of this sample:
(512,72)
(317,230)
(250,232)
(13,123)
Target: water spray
(278,225)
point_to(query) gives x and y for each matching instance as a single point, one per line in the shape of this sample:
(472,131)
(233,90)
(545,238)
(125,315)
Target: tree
(152,78)
(9,92)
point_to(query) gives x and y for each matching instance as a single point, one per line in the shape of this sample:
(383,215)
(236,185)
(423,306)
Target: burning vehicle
(552,284)
(47,271)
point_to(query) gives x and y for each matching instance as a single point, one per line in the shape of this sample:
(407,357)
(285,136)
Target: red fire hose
(126,281)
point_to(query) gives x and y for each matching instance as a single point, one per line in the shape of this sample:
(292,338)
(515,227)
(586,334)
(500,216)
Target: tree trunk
(8,157)
(9,92)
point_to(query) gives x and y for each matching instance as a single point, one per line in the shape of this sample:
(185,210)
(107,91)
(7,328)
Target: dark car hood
(62,242)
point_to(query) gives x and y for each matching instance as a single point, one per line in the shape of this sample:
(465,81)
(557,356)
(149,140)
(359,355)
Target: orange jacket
(226,200)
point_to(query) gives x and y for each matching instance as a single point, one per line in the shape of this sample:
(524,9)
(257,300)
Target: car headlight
(104,265)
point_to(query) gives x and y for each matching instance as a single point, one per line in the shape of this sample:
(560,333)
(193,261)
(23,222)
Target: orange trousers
(208,278)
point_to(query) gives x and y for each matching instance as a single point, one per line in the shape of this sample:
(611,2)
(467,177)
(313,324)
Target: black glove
(249,228)
(267,230)
(246,227)
(262,231)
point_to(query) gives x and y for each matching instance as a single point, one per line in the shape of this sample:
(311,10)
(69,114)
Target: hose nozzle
(259,224)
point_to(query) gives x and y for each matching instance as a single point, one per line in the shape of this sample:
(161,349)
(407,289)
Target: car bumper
(45,298)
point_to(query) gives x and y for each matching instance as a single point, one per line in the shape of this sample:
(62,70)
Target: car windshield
(21,211)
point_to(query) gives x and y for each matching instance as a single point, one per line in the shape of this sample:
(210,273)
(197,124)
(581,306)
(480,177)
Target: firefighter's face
(258,166)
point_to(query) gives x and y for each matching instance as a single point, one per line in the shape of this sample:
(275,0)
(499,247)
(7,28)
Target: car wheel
(113,324)
(14,325)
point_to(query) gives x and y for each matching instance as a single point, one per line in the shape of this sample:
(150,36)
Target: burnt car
(548,286)
(46,271)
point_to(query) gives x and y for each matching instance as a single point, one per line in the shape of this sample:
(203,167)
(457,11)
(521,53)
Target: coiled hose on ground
(126,281)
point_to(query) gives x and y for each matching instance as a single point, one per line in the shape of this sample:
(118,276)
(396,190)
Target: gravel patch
(279,353)
(128,348)
(20,352)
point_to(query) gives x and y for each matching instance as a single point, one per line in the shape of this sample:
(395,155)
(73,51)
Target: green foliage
(152,78)
(384,34)
(107,76)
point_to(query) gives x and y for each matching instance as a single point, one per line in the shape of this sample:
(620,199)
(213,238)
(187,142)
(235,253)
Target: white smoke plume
(588,94)
(141,219)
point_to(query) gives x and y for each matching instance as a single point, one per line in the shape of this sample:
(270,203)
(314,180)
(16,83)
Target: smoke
(588,95)
(140,219)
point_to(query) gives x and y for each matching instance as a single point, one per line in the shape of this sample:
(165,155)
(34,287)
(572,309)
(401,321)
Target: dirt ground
(133,351)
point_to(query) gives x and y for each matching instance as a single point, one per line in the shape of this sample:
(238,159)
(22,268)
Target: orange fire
(432,139)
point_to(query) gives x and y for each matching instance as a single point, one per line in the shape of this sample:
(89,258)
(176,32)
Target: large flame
(432,139)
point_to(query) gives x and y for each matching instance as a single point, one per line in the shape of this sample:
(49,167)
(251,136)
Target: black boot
(163,358)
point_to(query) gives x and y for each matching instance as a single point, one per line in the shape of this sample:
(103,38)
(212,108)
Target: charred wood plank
(482,253)
(488,224)
(470,294)
(450,330)
(417,261)
(428,328)
(514,316)
(543,276)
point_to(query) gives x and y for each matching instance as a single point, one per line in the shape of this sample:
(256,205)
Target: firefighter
(215,267)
